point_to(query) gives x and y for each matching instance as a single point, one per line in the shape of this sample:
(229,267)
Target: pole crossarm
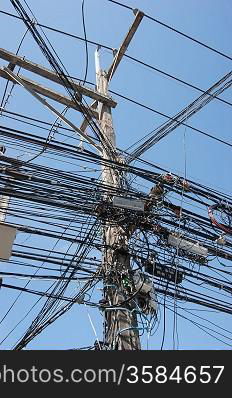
(122,49)
(47,92)
(49,74)
(51,108)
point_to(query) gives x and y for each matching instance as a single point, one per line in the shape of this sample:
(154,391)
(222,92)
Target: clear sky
(206,161)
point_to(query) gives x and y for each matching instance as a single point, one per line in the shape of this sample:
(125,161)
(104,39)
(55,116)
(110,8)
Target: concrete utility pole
(121,328)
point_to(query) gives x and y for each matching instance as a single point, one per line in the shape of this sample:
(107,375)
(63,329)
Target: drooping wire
(86,42)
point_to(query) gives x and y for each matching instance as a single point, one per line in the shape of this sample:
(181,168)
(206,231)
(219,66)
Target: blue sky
(207,161)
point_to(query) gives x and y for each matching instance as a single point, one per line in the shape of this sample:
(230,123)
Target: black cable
(180,118)
(56,63)
(207,320)
(170,118)
(8,81)
(86,43)
(47,307)
(48,139)
(125,55)
(25,340)
(18,275)
(60,31)
(115,166)
(176,31)
(202,328)
(164,315)
(174,78)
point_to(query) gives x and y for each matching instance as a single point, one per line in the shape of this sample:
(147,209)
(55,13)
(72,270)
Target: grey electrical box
(7,237)
(146,297)
(191,247)
(132,204)
(142,283)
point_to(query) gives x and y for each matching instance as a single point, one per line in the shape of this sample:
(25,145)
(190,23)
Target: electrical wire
(176,31)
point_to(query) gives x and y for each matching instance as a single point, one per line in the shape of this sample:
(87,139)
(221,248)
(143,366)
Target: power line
(224,83)
(176,31)
(98,44)
(174,77)
(54,199)
(145,107)
(56,63)
(170,118)
(86,43)
(60,31)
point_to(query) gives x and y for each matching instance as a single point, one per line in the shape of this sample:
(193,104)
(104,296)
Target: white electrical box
(146,297)
(132,204)
(7,237)
(142,283)
(191,247)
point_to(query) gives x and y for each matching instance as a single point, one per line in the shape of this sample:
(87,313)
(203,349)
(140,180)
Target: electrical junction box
(7,237)
(191,247)
(146,297)
(132,204)
(162,271)
(142,283)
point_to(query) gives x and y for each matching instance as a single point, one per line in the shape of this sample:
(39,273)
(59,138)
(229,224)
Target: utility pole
(121,327)
(4,200)
(120,321)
